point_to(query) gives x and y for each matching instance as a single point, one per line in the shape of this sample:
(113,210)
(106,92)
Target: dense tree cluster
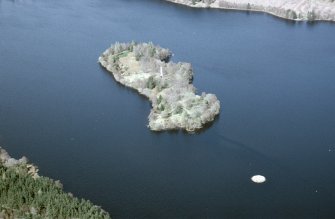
(25,196)
(141,50)
(146,68)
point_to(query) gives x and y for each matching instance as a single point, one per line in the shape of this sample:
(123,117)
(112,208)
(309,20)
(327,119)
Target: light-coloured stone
(10,162)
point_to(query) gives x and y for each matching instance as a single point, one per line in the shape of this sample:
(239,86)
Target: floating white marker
(258,179)
(161,71)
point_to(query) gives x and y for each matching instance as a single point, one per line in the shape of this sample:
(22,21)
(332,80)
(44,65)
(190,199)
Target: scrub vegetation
(146,68)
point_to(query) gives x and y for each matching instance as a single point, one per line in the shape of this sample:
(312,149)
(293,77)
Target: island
(299,10)
(26,194)
(146,68)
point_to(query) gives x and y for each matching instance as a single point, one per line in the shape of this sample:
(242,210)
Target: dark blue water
(275,80)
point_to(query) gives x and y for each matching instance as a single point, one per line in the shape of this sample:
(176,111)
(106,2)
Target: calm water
(275,80)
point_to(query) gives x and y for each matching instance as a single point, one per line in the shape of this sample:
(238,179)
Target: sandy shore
(299,10)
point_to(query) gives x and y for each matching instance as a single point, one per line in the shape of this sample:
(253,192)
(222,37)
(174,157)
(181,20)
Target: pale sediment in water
(289,9)
(146,68)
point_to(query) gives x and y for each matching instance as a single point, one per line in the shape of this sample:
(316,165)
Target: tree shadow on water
(184,132)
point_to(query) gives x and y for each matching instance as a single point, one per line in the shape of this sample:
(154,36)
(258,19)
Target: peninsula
(299,10)
(147,68)
(26,194)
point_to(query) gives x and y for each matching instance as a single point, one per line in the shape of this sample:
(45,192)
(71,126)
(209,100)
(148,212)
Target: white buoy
(258,179)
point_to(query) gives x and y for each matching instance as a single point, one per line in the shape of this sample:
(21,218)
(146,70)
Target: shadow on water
(255,153)
(250,150)
(242,146)
(275,166)
(184,132)
(311,24)
(132,170)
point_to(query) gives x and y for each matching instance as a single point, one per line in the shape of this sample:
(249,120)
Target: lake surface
(275,80)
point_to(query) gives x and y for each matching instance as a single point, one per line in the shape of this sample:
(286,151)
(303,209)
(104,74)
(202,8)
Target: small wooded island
(26,194)
(146,68)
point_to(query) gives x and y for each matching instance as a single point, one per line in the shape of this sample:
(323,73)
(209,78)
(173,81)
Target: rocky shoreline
(298,10)
(146,68)
(26,194)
